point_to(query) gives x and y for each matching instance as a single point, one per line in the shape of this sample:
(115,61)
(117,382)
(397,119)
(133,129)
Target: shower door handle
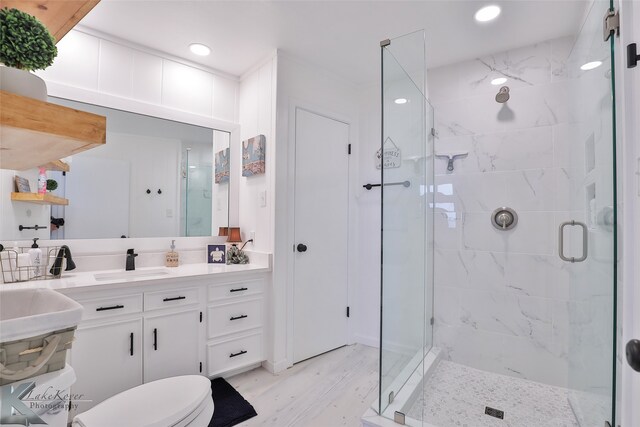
(585,244)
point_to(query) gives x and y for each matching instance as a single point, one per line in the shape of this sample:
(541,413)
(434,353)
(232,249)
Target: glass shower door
(587,234)
(406,164)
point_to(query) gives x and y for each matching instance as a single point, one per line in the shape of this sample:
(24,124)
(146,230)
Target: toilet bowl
(171,402)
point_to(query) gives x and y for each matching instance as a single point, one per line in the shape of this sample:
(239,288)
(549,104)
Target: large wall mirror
(153,178)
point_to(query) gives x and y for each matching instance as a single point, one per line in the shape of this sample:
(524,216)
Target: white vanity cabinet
(235,319)
(140,332)
(107,359)
(172,331)
(126,340)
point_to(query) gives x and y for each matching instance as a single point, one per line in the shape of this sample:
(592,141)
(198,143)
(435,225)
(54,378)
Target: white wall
(311,87)
(257,105)
(96,62)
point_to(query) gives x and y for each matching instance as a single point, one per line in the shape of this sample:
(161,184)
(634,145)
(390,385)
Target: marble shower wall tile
(503,301)
(534,234)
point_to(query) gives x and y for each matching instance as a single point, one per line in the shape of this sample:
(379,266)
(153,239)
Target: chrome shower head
(503,95)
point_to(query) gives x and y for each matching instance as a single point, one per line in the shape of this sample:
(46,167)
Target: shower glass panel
(592,283)
(406,163)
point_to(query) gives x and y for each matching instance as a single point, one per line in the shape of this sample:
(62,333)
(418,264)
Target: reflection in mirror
(153,178)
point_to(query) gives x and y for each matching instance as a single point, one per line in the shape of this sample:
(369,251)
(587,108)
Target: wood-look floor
(333,389)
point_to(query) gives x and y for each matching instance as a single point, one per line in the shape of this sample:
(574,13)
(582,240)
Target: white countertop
(84,280)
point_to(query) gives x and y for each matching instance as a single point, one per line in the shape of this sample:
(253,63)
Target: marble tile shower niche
(507,330)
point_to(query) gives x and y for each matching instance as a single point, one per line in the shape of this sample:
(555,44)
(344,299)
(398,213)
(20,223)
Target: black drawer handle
(113,307)
(173,299)
(238,290)
(244,316)
(131,344)
(238,354)
(155,338)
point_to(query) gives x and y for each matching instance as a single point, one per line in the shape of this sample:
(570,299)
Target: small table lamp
(234,235)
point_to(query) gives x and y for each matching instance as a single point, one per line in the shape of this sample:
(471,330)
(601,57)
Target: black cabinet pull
(238,354)
(173,299)
(113,307)
(239,317)
(131,344)
(238,290)
(155,338)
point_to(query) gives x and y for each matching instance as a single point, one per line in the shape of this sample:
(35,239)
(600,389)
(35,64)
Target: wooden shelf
(58,16)
(35,133)
(56,165)
(41,199)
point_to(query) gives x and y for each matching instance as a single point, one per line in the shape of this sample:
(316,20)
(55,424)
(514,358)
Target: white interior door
(320,230)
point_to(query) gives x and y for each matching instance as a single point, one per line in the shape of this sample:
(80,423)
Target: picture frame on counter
(216,254)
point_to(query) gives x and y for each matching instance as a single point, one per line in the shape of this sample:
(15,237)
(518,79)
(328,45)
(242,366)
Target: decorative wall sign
(392,156)
(253,154)
(216,254)
(222,166)
(22,185)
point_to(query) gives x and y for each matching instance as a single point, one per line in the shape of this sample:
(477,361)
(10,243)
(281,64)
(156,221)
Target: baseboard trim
(277,367)
(367,340)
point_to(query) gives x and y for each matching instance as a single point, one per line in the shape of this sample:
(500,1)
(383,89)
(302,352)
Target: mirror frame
(133,106)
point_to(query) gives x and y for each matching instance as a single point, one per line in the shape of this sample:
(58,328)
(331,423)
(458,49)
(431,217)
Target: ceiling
(341,36)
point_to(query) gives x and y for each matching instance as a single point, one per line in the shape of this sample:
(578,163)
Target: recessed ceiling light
(400,101)
(192,167)
(498,81)
(487,13)
(591,65)
(199,49)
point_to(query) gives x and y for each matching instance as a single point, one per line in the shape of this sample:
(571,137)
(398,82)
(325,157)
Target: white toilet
(171,402)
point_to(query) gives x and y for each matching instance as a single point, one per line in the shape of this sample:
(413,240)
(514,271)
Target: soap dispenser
(172,256)
(36,258)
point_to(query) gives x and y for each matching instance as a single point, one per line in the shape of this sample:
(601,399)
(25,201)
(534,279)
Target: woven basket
(33,356)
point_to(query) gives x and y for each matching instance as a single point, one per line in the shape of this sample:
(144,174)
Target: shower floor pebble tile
(456,395)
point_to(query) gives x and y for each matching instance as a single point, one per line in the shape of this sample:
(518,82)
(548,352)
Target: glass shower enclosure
(480,322)
(406,164)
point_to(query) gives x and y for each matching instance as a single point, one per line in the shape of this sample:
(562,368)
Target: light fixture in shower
(590,65)
(499,81)
(487,13)
(401,101)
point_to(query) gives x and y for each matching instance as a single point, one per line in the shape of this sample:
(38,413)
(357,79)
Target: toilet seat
(171,402)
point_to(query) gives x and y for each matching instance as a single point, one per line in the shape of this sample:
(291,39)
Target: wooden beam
(59,16)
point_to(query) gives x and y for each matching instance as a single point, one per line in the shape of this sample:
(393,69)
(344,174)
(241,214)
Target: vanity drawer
(232,354)
(236,289)
(170,298)
(116,306)
(235,317)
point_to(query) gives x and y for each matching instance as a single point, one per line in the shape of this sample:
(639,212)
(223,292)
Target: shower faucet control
(504,218)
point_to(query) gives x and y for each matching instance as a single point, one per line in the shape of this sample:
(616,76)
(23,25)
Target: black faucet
(64,252)
(131,260)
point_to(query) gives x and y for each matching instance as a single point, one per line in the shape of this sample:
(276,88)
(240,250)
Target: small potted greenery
(52,185)
(25,45)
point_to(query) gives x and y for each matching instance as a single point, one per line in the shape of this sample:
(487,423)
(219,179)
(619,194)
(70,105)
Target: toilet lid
(160,403)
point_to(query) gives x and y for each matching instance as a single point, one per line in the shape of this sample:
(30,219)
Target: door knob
(633,354)
(301,247)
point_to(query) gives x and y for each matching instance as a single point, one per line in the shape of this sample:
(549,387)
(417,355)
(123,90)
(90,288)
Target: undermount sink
(135,274)
(31,312)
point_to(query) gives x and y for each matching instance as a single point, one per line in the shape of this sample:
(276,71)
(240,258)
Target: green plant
(25,43)
(52,184)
